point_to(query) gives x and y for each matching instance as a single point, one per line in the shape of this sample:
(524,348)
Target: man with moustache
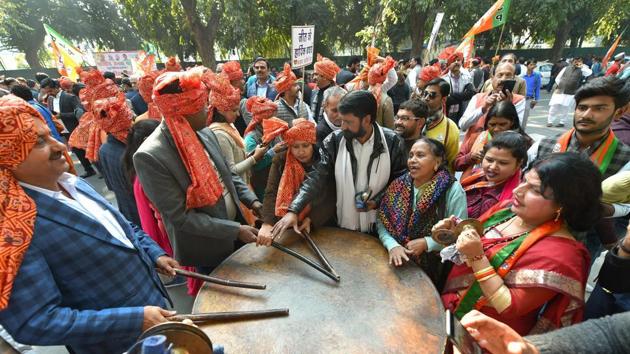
(569,80)
(325,72)
(598,103)
(74,271)
(361,159)
(331,119)
(410,121)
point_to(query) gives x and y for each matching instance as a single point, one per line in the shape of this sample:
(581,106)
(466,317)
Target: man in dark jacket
(360,159)
(65,106)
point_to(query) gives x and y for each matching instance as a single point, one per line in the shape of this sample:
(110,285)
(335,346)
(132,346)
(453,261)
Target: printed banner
(302,45)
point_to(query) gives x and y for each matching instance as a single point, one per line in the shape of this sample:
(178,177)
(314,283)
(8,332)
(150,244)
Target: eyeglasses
(404,118)
(428,94)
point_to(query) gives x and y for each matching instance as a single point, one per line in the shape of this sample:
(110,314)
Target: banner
(130,63)
(67,57)
(611,51)
(302,45)
(495,17)
(435,30)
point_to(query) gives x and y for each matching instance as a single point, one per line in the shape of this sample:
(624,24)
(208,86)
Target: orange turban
(326,68)
(114,116)
(429,73)
(145,89)
(65,83)
(223,96)
(378,72)
(454,57)
(233,70)
(285,79)
(261,108)
(105,89)
(172,64)
(205,188)
(293,174)
(273,128)
(372,55)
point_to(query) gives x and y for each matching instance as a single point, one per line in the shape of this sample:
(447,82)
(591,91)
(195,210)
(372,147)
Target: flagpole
(500,37)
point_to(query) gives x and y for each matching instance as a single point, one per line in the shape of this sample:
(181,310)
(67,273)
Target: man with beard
(324,76)
(562,102)
(598,104)
(331,120)
(438,125)
(361,159)
(409,122)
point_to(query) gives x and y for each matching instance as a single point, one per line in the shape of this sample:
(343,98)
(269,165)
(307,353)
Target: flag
(467,47)
(68,58)
(611,51)
(495,17)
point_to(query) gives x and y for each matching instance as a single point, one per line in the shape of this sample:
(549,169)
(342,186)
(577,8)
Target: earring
(558,214)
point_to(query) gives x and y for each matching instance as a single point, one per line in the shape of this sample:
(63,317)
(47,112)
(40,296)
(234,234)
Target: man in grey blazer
(183,173)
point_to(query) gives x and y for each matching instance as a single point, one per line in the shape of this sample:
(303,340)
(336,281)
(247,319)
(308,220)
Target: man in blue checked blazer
(88,278)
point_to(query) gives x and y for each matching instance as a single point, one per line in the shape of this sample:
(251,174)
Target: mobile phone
(508,85)
(459,336)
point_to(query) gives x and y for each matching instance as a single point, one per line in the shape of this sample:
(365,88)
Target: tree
(204,29)
(23,29)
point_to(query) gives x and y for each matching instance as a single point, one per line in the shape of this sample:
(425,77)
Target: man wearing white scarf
(360,160)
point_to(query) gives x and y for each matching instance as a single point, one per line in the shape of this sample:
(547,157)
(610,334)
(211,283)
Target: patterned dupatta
(601,157)
(396,212)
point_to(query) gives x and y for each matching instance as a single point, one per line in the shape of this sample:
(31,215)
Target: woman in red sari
(527,270)
(499,174)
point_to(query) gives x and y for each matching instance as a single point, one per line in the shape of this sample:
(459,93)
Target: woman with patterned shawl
(288,171)
(527,270)
(499,174)
(413,203)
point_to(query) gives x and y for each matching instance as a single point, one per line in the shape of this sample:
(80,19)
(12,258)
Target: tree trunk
(204,35)
(561,35)
(30,54)
(417,19)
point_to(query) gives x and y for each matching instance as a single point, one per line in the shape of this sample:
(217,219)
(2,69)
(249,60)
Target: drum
(375,307)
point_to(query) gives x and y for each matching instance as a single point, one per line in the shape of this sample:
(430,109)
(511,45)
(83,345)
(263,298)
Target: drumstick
(230,316)
(320,254)
(225,282)
(304,259)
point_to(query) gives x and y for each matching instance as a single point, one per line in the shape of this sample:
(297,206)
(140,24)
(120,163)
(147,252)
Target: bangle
(484,270)
(622,247)
(485,273)
(501,299)
(486,277)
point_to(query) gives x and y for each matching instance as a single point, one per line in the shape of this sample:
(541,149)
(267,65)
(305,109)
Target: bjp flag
(495,17)
(68,58)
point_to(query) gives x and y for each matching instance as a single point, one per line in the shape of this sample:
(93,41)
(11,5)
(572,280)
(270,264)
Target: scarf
(478,180)
(293,173)
(396,211)
(145,89)
(261,108)
(205,188)
(330,124)
(601,157)
(231,131)
(376,179)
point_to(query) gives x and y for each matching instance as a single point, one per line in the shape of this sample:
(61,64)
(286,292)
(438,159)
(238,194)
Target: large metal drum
(375,308)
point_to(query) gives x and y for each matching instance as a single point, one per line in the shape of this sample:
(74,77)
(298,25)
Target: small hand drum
(448,237)
(184,337)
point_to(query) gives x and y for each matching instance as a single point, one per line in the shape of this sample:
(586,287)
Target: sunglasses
(428,94)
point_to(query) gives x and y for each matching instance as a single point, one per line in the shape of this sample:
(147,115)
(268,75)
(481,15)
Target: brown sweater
(323,208)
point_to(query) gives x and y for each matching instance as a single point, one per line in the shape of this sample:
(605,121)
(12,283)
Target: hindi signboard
(116,62)
(302,45)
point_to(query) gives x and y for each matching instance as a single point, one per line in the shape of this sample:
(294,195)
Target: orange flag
(495,17)
(611,51)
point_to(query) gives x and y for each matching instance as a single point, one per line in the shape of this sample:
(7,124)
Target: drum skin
(376,308)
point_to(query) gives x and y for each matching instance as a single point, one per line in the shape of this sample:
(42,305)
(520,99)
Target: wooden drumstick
(320,254)
(225,282)
(230,316)
(305,260)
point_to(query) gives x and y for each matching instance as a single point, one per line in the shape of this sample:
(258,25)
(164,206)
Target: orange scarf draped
(205,188)
(261,108)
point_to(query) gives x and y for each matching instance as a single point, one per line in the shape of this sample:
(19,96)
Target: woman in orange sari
(499,174)
(526,269)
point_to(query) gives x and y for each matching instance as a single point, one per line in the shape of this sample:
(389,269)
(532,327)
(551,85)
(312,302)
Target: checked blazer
(78,286)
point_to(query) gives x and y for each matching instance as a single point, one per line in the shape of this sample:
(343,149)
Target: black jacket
(67,105)
(324,173)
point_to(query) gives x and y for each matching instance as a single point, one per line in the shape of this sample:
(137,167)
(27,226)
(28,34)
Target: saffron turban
(145,89)
(233,70)
(285,79)
(378,72)
(261,108)
(205,188)
(223,96)
(429,73)
(113,116)
(326,68)
(65,83)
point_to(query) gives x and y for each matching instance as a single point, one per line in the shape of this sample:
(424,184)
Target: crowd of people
(202,162)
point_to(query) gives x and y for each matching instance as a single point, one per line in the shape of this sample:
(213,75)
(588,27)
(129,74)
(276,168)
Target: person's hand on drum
(264,235)
(469,244)
(445,224)
(417,247)
(494,336)
(247,233)
(305,226)
(166,265)
(288,220)
(398,256)
(154,315)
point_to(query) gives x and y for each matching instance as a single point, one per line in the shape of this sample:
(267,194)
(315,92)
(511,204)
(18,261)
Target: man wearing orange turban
(185,176)
(427,73)
(290,106)
(324,76)
(113,116)
(376,77)
(145,90)
(74,271)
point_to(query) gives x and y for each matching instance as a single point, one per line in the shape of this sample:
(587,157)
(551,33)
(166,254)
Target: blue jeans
(602,303)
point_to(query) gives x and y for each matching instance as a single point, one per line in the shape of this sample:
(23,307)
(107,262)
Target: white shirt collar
(67,180)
